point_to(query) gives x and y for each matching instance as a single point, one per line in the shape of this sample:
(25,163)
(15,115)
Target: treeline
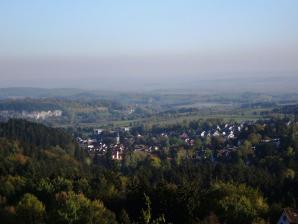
(45,104)
(28,105)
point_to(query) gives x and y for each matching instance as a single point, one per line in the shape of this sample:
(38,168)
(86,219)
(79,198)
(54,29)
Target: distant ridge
(69,93)
(23,92)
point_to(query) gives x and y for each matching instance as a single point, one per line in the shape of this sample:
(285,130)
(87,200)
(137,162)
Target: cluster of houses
(227,131)
(117,149)
(122,140)
(98,145)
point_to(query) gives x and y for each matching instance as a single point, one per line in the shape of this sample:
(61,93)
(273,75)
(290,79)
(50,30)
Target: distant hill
(29,104)
(22,92)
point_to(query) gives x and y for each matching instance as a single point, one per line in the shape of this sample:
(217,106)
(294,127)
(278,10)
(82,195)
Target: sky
(116,43)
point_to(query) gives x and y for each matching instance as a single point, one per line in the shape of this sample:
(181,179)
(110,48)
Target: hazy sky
(45,43)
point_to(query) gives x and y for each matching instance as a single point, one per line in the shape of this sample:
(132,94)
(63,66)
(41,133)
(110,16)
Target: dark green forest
(45,177)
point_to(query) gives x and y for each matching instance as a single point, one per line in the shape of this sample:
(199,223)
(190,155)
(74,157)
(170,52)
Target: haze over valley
(149,112)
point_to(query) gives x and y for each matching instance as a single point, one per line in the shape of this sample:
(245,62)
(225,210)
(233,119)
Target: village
(213,143)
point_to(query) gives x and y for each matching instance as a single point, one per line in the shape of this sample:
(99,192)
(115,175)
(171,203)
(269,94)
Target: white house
(98,131)
(216,133)
(231,135)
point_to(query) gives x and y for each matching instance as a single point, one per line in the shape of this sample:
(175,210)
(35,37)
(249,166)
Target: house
(203,134)
(231,135)
(289,216)
(163,135)
(90,147)
(126,129)
(98,131)
(216,133)
(79,140)
(91,141)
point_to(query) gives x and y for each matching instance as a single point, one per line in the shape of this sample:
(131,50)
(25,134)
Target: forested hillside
(46,178)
